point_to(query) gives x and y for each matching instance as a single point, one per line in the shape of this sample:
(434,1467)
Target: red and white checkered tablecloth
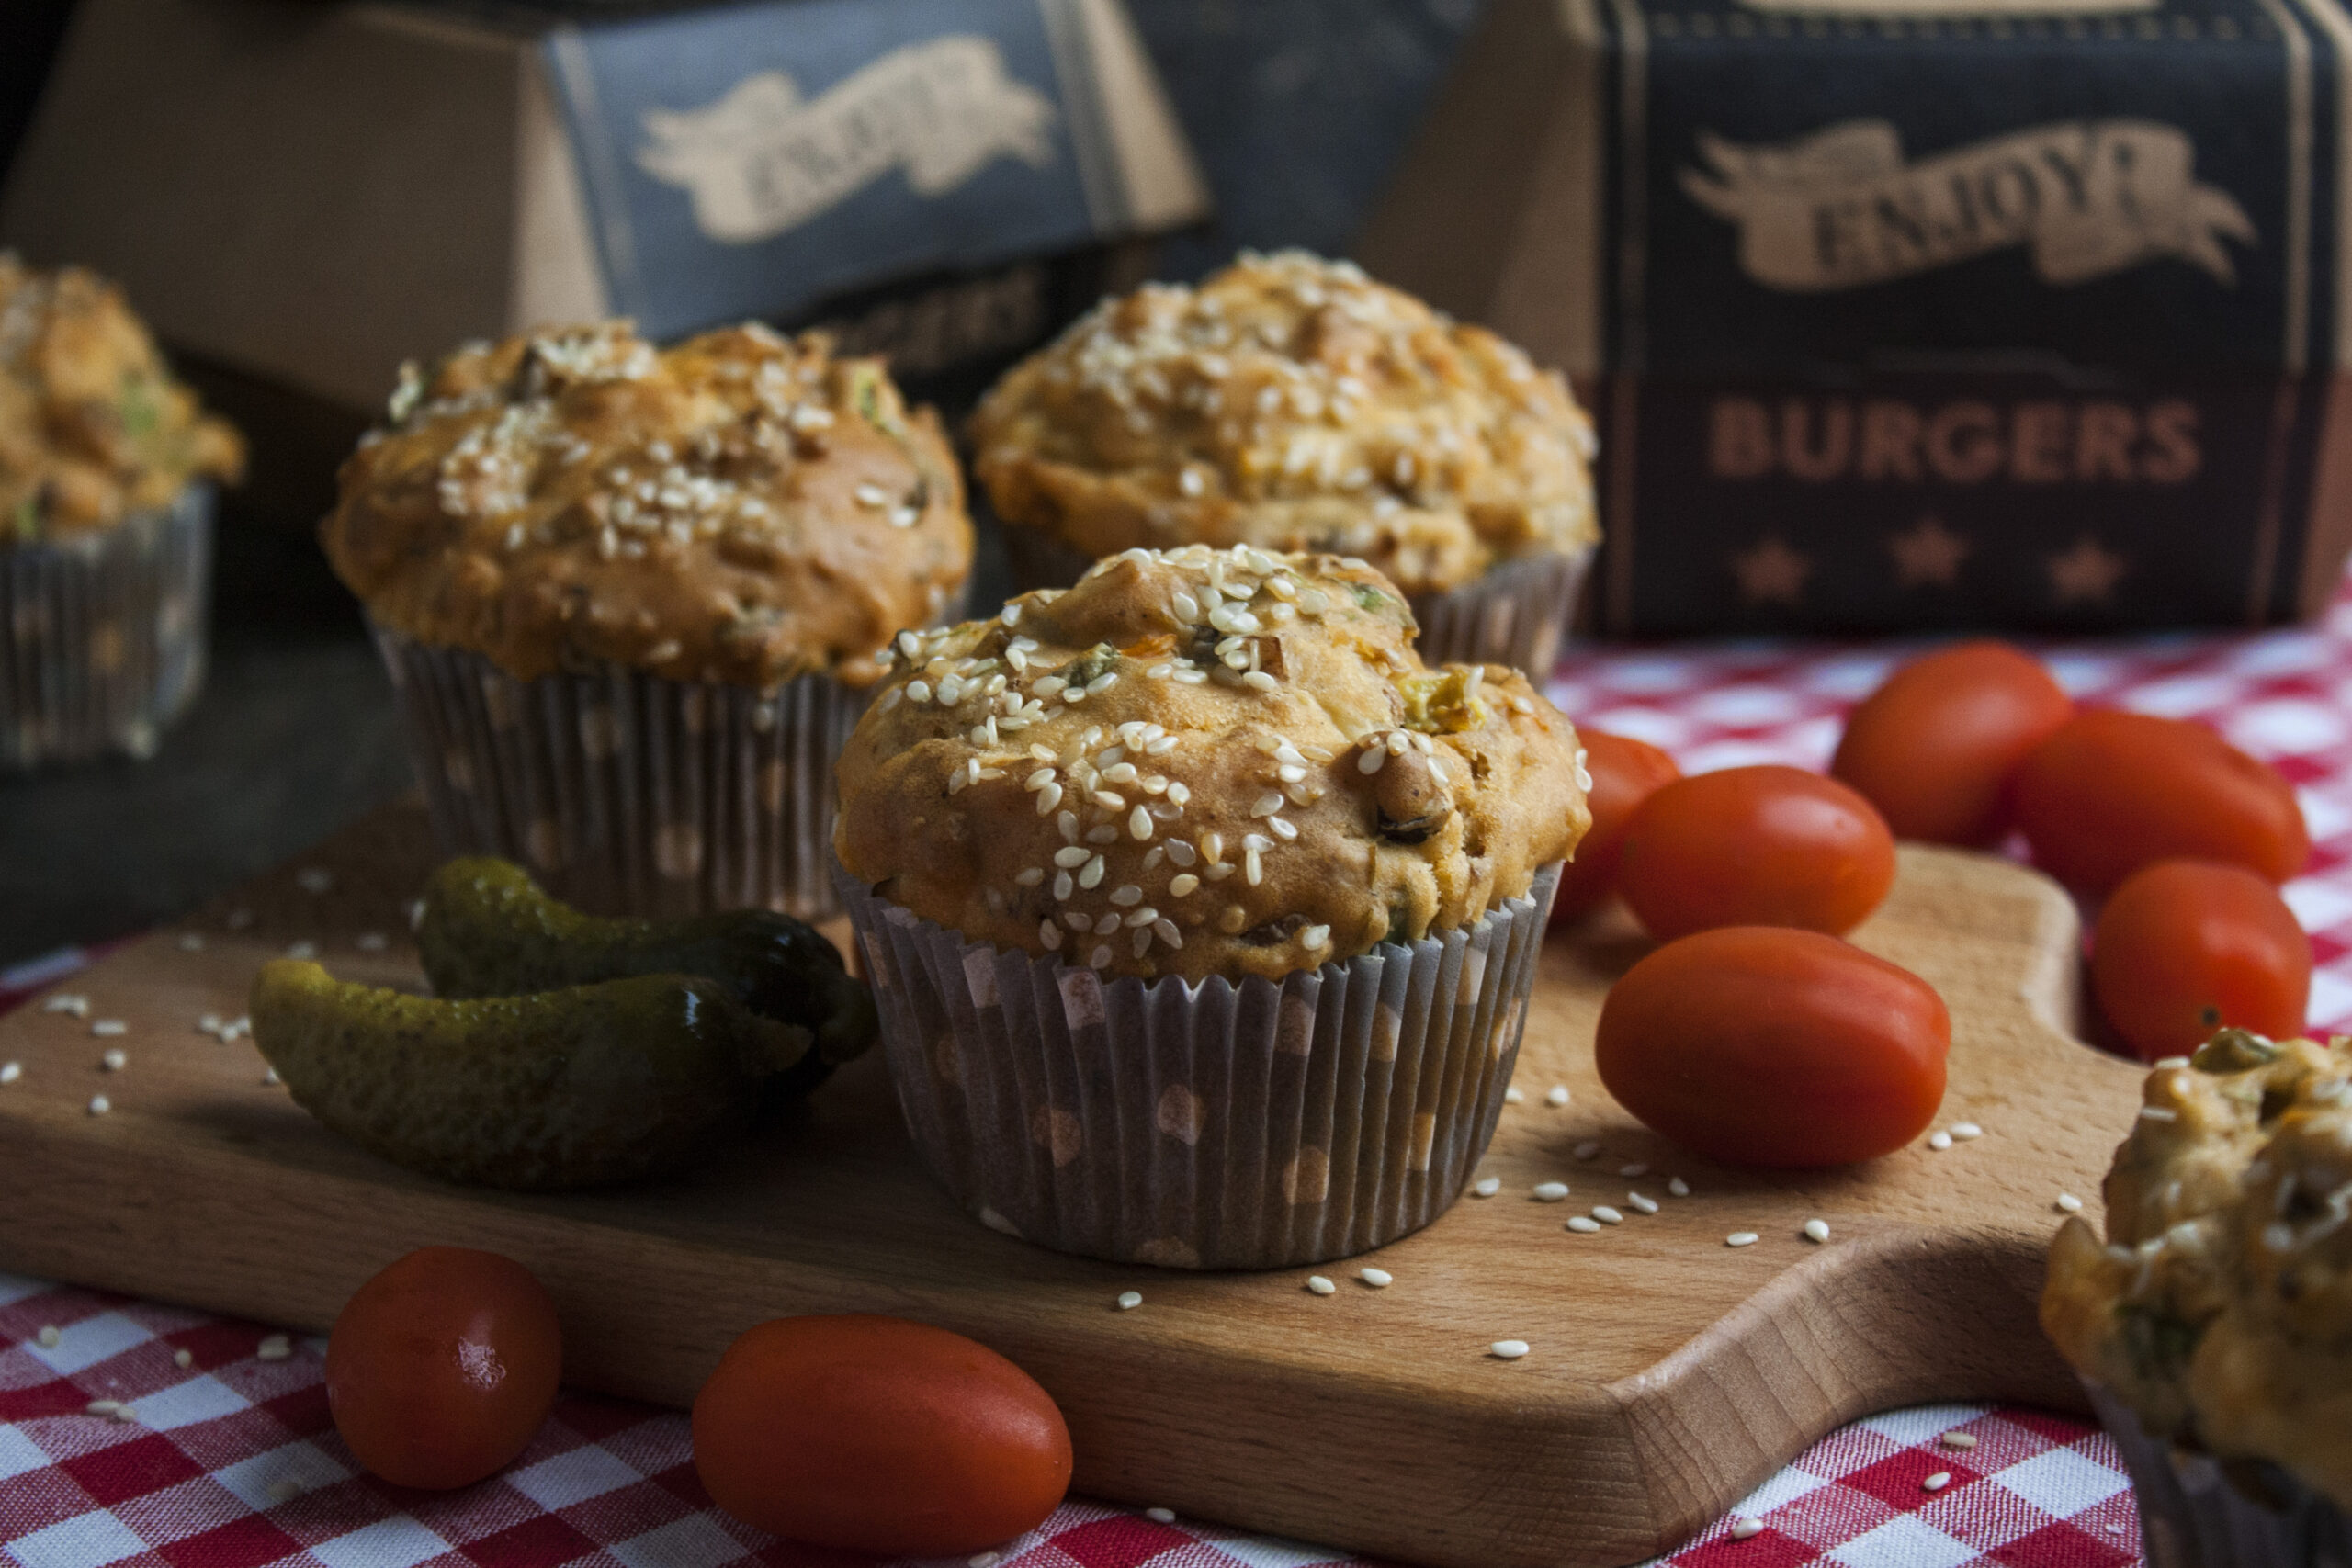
(229,1460)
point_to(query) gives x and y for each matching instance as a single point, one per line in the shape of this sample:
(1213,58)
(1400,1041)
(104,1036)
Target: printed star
(1771,572)
(2086,572)
(1929,553)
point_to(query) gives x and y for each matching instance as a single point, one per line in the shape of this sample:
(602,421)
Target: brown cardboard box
(1919,313)
(311,193)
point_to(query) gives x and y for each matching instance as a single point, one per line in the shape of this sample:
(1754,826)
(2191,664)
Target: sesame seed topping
(1636,1168)
(1556,1095)
(1816,1231)
(2069,1204)
(2147,1113)
(1740,1238)
(1378,1279)
(1314,938)
(1551,1191)
(1091,877)
(1508,1350)
(1486,1186)
(872,495)
(1258,681)
(1139,823)
(1183,884)
(1589,1149)
(1584,1225)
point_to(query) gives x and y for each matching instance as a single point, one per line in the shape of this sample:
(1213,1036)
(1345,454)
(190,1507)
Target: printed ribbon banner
(1839,209)
(762,160)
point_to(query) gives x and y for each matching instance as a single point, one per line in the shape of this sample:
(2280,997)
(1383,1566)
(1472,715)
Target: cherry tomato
(1624,772)
(875,1433)
(1933,748)
(1763,1045)
(2186,947)
(441,1368)
(2111,792)
(1761,846)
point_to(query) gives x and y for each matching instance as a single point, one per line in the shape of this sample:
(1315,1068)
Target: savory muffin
(633,599)
(1291,403)
(2219,1308)
(93,427)
(741,508)
(1203,762)
(105,523)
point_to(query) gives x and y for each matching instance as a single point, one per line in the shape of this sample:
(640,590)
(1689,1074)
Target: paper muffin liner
(1208,1125)
(625,793)
(1516,614)
(2197,1512)
(102,635)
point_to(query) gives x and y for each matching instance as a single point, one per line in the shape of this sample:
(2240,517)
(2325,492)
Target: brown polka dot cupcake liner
(2197,1511)
(102,635)
(1516,614)
(626,793)
(1258,1125)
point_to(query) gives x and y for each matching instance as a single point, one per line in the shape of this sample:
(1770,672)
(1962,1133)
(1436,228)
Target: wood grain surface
(1668,1371)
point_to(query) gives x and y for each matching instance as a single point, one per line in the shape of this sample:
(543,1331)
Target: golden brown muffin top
(1290,403)
(1203,762)
(743,507)
(2220,1307)
(93,427)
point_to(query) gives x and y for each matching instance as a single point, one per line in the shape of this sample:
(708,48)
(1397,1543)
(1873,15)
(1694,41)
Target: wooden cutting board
(1669,1372)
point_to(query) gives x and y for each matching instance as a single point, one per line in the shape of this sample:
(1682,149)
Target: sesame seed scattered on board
(1939,1140)
(1584,1225)
(301,950)
(1676,1187)
(183,1358)
(370,942)
(1485,1187)
(1937,1481)
(1961,1440)
(1966,1130)
(2172,1062)
(274,1347)
(115,1060)
(1634,1170)
(103,1406)
(191,941)
(1740,1238)
(314,878)
(284,1490)
(1607,1216)
(100,1105)
(65,1002)
(1130,1299)
(1557,1095)
(1160,1516)
(1647,1205)
(1589,1149)
(1319,1285)
(984,1560)
(2067,1203)
(1512,1097)
(1508,1350)
(109,1028)
(49,1336)
(1816,1231)
(1551,1191)
(1745,1529)
(270,1079)
(1378,1279)
(11,1071)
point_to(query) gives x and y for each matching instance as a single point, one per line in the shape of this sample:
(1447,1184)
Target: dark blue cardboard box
(1901,316)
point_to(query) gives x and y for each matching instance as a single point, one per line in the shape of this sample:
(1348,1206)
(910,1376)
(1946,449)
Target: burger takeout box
(312,194)
(1918,313)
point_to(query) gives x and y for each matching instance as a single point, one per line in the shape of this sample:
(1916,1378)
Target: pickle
(573,1088)
(489,930)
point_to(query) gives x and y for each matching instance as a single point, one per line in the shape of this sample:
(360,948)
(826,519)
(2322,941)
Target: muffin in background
(105,523)
(633,599)
(1202,914)
(1291,403)
(2213,1326)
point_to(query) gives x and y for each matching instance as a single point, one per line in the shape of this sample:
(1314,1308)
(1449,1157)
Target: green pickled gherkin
(569,1088)
(489,930)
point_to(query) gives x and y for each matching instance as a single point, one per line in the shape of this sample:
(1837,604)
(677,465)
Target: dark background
(1296,109)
